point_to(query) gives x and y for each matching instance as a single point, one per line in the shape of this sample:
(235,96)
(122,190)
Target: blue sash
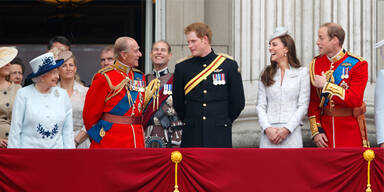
(347,64)
(120,109)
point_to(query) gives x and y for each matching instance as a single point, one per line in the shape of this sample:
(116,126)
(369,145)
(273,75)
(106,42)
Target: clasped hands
(277,135)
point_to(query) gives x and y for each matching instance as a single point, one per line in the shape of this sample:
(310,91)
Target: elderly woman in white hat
(7,93)
(283,94)
(42,112)
(76,92)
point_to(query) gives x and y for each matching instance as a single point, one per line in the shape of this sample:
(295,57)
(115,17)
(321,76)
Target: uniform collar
(121,66)
(208,57)
(160,73)
(337,57)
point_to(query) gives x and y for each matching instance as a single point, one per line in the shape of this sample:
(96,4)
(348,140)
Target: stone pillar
(254,22)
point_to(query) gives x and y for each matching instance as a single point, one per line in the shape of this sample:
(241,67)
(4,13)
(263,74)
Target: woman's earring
(285,54)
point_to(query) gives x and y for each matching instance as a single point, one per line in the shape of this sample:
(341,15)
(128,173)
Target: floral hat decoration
(43,64)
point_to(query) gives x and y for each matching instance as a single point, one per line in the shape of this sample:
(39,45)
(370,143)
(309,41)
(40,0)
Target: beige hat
(65,55)
(7,54)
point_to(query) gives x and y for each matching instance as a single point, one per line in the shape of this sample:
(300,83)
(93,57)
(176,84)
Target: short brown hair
(163,41)
(201,30)
(107,49)
(335,30)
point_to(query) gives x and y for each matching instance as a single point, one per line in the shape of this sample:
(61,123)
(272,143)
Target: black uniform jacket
(208,110)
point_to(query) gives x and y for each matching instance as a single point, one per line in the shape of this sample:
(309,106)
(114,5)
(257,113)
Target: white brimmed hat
(7,54)
(44,63)
(278,32)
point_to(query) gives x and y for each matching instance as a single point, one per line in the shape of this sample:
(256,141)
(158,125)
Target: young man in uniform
(208,92)
(338,79)
(160,121)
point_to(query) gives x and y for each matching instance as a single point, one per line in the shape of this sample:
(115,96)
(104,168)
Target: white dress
(77,101)
(41,120)
(379,107)
(284,105)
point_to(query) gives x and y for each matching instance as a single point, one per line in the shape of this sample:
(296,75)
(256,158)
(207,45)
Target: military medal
(342,75)
(167,89)
(346,76)
(139,106)
(344,85)
(215,79)
(222,78)
(141,86)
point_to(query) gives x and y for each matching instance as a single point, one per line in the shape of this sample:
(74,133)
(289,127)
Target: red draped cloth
(201,169)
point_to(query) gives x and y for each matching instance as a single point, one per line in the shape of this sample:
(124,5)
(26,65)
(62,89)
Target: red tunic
(347,93)
(114,135)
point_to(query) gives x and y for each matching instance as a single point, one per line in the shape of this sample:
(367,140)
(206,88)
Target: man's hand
(321,140)
(319,81)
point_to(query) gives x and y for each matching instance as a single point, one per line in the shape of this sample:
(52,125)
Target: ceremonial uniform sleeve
(313,107)
(94,101)
(236,92)
(303,100)
(379,107)
(18,112)
(178,93)
(354,95)
(68,135)
(261,107)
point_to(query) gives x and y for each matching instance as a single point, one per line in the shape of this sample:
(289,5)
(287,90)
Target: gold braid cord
(369,155)
(152,91)
(116,89)
(176,158)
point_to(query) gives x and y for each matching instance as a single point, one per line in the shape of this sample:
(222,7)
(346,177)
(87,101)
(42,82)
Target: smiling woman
(42,113)
(283,95)
(7,93)
(76,92)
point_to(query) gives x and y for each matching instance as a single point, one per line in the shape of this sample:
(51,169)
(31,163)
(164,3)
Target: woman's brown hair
(270,71)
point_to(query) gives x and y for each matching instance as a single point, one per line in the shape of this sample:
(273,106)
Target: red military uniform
(113,108)
(334,108)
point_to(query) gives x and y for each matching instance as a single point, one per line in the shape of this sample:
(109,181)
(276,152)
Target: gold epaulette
(136,70)
(184,59)
(356,56)
(226,56)
(103,71)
